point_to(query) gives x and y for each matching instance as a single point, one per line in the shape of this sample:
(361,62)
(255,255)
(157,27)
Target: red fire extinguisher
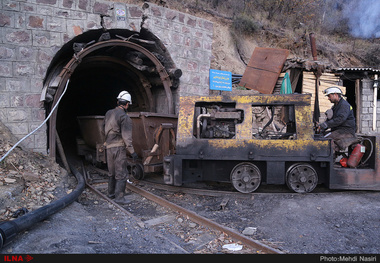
(356,156)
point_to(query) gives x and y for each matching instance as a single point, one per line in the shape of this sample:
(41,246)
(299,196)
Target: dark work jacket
(118,129)
(343,118)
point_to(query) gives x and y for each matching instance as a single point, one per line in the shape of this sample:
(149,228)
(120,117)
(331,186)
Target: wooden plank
(326,80)
(224,202)
(263,69)
(159,220)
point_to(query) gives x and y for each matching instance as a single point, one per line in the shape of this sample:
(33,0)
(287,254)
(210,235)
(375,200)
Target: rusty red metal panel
(263,69)
(91,129)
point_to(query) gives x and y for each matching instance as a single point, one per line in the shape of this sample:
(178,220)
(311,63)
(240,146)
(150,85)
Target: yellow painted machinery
(225,138)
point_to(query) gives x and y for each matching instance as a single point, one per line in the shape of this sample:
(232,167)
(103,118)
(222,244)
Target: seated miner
(340,119)
(118,140)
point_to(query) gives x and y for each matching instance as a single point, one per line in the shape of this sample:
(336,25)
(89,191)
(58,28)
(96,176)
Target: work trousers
(339,139)
(117,162)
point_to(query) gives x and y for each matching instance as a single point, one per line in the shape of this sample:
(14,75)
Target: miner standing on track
(118,140)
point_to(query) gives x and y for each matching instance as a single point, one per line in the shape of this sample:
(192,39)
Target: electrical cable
(370,152)
(47,118)
(10,229)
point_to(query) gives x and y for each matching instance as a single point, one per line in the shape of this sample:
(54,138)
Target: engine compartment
(216,120)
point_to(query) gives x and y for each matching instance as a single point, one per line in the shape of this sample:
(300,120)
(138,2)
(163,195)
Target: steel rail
(204,192)
(125,211)
(204,221)
(188,190)
(193,216)
(197,191)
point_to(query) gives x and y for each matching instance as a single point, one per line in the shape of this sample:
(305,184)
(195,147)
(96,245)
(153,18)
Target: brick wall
(188,40)
(367,108)
(31,33)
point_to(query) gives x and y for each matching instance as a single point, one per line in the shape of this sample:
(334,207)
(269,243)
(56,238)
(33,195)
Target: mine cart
(153,137)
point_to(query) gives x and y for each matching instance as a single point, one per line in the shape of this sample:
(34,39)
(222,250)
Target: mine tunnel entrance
(98,65)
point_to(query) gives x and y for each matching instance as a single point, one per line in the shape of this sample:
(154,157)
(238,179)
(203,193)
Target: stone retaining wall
(33,31)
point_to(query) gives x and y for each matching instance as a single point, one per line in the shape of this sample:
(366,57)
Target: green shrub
(372,56)
(245,25)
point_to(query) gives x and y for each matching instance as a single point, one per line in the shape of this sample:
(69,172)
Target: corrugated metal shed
(359,69)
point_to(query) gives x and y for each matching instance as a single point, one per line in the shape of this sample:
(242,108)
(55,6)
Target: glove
(329,114)
(323,126)
(134,156)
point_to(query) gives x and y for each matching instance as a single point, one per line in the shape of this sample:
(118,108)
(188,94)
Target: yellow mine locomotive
(221,138)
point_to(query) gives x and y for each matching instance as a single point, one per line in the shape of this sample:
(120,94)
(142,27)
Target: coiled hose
(9,229)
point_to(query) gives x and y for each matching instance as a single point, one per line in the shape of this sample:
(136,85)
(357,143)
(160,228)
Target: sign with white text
(220,80)
(121,13)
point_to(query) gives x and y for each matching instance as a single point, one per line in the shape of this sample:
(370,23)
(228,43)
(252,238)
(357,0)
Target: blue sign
(220,80)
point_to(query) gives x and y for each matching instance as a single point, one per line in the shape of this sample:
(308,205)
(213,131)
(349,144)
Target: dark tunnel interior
(92,91)
(100,77)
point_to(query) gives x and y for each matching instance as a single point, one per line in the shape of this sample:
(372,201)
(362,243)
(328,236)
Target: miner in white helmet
(118,141)
(341,121)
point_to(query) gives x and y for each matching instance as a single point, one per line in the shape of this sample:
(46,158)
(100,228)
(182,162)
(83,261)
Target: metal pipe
(199,123)
(374,119)
(313,46)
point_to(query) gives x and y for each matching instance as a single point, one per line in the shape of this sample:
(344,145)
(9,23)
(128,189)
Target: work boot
(111,187)
(120,197)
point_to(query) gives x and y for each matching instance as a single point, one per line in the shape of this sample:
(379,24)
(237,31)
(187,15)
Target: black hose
(9,229)
(370,152)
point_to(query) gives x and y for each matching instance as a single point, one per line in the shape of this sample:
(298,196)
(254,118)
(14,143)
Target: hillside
(241,25)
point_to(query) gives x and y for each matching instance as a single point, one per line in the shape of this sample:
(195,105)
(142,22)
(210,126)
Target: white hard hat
(124,95)
(332,90)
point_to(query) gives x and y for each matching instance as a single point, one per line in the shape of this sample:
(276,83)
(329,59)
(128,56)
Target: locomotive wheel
(137,171)
(245,177)
(301,178)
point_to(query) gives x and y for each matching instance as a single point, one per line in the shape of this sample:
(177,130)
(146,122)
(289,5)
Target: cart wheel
(245,177)
(137,171)
(301,178)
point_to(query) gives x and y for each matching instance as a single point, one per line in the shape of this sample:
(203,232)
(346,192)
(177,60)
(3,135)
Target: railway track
(96,184)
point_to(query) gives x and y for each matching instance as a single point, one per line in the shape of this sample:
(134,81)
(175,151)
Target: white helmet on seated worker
(124,95)
(332,90)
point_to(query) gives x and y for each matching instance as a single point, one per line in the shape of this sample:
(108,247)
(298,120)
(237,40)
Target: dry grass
(284,24)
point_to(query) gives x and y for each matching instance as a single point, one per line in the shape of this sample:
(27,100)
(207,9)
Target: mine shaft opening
(93,89)
(116,60)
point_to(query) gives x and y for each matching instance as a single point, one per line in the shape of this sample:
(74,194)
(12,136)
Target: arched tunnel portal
(95,67)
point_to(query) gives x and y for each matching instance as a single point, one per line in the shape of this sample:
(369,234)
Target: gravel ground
(92,225)
(325,222)
(97,228)
(322,223)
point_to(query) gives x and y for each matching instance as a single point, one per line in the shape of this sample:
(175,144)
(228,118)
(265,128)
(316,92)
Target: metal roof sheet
(359,69)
